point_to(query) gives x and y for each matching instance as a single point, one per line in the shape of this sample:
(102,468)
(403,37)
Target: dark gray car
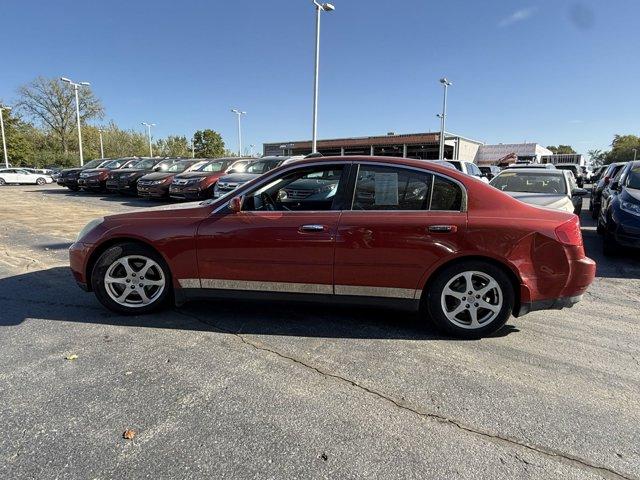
(230,182)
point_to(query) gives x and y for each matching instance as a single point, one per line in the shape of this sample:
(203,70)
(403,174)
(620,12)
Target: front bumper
(153,191)
(68,182)
(187,192)
(125,186)
(78,257)
(92,183)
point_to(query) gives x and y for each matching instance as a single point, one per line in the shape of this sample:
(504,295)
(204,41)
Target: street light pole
(4,140)
(149,125)
(635,152)
(193,148)
(239,113)
(320,7)
(101,145)
(75,88)
(443,116)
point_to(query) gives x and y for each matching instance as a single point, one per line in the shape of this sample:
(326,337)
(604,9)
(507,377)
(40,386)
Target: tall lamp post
(239,113)
(149,125)
(4,140)
(635,152)
(75,88)
(320,7)
(443,116)
(101,145)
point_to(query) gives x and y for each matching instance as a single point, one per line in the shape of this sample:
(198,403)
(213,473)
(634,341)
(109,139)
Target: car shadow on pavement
(124,200)
(53,295)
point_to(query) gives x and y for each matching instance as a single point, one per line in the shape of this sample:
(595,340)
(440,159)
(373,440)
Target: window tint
(262,166)
(389,188)
(447,195)
(211,167)
(531,182)
(308,189)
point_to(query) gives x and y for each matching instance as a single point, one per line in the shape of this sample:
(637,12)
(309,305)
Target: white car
(552,188)
(18,175)
(469,168)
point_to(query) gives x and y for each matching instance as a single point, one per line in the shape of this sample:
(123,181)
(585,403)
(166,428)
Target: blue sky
(550,71)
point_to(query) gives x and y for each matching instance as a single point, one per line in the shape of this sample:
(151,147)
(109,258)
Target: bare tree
(51,103)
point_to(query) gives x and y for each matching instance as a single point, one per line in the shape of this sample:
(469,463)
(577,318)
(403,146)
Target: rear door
(402,221)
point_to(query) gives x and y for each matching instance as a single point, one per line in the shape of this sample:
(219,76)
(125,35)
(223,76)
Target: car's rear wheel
(41,181)
(131,279)
(470,299)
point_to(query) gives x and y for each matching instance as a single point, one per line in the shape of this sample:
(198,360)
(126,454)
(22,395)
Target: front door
(402,222)
(283,239)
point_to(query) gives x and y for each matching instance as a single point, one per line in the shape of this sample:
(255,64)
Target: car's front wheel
(131,279)
(470,299)
(41,181)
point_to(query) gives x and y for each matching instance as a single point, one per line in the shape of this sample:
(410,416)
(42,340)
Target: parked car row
(619,211)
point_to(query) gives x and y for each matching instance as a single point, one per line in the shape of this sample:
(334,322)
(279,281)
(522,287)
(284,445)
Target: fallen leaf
(73,356)
(129,434)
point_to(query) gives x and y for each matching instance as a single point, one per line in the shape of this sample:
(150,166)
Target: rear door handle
(443,228)
(311,228)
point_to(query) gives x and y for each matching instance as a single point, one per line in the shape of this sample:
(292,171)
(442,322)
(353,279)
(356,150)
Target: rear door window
(391,188)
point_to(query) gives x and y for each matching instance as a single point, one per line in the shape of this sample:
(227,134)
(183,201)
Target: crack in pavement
(578,462)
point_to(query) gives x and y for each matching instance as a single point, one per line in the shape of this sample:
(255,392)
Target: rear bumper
(552,304)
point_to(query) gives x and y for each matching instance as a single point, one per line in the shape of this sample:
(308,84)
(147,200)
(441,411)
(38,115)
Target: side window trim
(460,185)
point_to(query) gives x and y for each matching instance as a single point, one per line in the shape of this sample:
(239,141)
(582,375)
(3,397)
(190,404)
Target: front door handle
(312,228)
(443,228)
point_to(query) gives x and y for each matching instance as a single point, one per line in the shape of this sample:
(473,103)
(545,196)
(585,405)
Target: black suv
(125,180)
(597,189)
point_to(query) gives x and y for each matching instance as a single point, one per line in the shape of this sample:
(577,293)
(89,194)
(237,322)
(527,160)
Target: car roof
(539,171)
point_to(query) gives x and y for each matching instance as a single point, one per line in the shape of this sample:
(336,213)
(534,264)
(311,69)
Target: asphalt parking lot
(269,390)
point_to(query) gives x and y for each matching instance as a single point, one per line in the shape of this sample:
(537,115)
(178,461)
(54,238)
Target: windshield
(261,166)
(531,182)
(144,164)
(210,167)
(93,163)
(179,167)
(633,177)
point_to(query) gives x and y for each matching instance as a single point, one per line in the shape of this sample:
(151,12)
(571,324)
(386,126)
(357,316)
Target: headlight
(632,208)
(88,227)
(195,180)
(158,182)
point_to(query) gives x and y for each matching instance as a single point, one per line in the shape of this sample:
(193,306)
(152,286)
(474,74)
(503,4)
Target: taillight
(569,232)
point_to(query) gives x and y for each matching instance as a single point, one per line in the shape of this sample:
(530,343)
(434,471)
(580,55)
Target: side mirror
(235,204)
(578,192)
(233,170)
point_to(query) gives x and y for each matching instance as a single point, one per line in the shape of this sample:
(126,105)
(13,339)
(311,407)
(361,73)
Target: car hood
(95,170)
(560,202)
(188,175)
(158,176)
(67,171)
(239,177)
(185,210)
(310,183)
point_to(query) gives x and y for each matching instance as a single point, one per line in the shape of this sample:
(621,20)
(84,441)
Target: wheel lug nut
(133,274)
(467,306)
(139,284)
(128,281)
(470,293)
(476,304)
(477,296)
(133,287)
(464,298)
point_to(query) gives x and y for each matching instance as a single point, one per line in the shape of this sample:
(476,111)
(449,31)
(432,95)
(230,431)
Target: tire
(448,293)
(2,182)
(74,189)
(41,181)
(111,279)
(609,245)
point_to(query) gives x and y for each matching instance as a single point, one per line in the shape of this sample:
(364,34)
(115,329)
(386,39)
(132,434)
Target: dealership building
(413,145)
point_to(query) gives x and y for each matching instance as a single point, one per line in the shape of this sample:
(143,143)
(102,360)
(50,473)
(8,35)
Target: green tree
(173,146)
(597,157)
(51,103)
(208,144)
(622,148)
(561,149)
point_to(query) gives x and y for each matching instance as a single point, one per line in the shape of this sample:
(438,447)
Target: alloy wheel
(134,281)
(471,299)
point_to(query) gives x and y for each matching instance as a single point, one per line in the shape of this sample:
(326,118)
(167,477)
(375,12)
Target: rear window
(531,182)
(633,177)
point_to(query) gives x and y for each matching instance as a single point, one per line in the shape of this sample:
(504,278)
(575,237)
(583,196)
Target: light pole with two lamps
(149,125)
(443,116)
(320,7)
(75,88)
(239,113)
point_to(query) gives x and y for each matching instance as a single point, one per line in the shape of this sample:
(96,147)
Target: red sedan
(384,230)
